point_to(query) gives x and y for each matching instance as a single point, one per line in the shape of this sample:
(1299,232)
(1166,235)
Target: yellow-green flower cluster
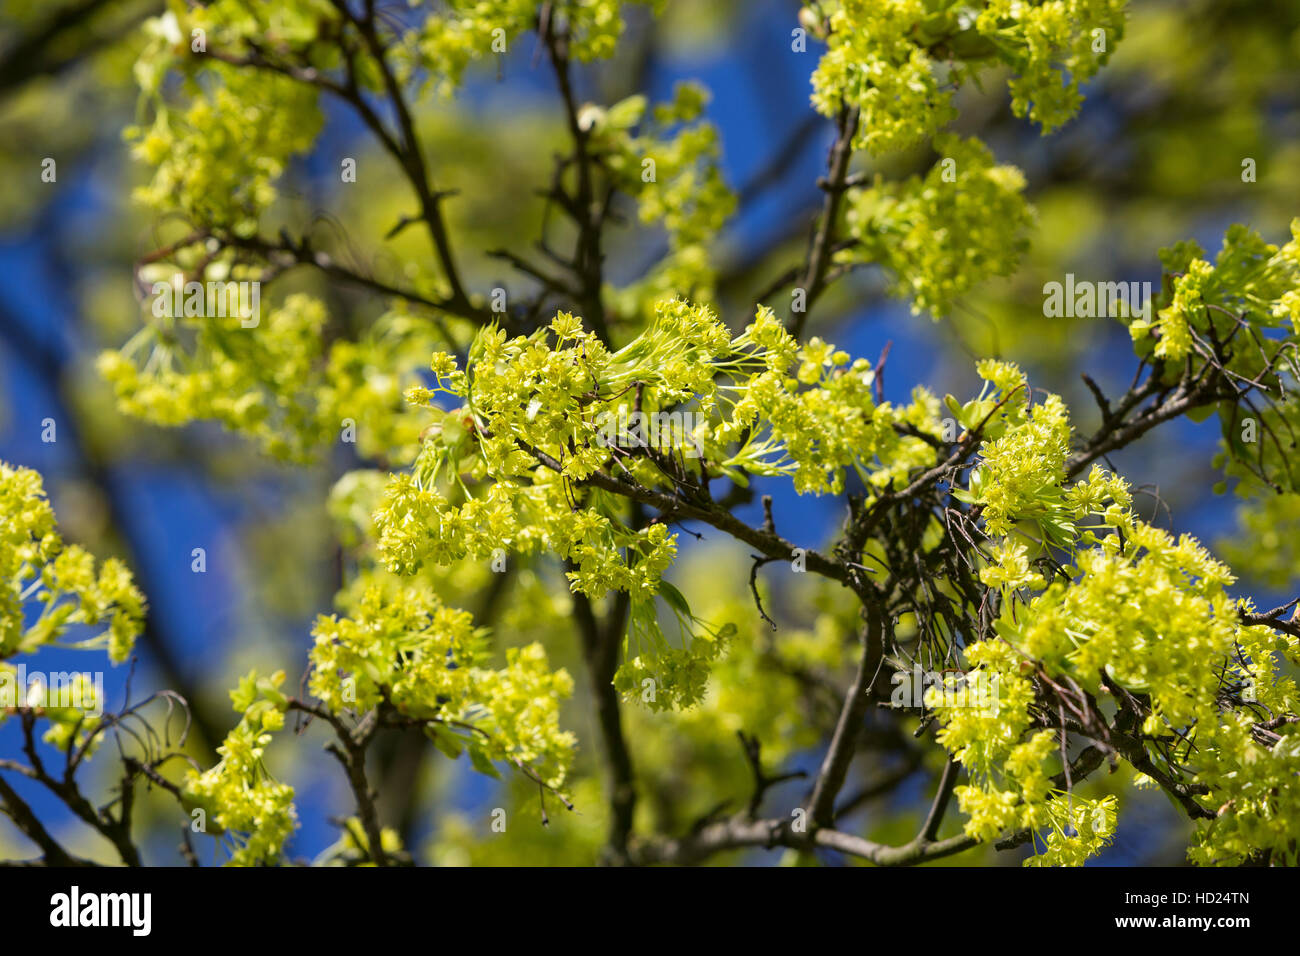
(523,397)
(1288,308)
(503,471)
(36,566)
(1079,828)
(447,42)
(238,797)
(1144,612)
(1133,612)
(1252,794)
(940,235)
(1175,325)
(1251,776)
(235,25)
(1011,788)
(757,684)
(822,419)
(1252,279)
(217,154)
(874,62)
(756,404)
(1052,48)
(277,382)
(1020,475)
(671,166)
(659,674)
(1251,292)
(594,26)
(981,738)
(1151,614)
(1020,472)
(429,663)
(898,61)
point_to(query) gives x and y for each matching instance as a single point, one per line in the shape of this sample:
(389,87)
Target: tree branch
(819,255)
(835,765)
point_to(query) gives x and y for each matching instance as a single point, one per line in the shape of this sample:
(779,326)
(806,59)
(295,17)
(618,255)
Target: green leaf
(481,762)
(626,113)
(675,599)
(448,743)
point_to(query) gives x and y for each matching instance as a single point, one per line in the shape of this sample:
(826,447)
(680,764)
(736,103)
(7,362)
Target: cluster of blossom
(504,468)
(670,165)
(898,61)
(1243,308)
(809,412)
(219,150)
(238,798)
(36,566)
(758,686)
(1133,614)
(447,42)
(1022,462)
(766,406)
(940,235)
(1250,280)
(668,677)
(429,663)
(1252,791)
(280,383)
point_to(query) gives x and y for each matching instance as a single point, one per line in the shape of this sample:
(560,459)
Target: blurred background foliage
(1197,88)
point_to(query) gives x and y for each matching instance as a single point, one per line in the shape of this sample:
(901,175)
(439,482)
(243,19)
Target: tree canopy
(550,392)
